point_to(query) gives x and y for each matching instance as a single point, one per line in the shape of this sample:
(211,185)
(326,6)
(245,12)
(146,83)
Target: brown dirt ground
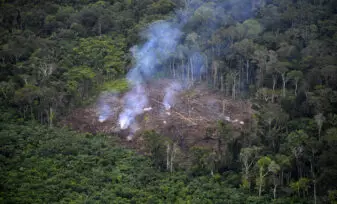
(195,110)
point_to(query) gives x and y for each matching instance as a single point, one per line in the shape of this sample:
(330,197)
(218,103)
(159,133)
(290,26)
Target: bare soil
(195,110)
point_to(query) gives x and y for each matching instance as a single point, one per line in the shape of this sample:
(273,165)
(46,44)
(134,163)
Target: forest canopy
(280,55)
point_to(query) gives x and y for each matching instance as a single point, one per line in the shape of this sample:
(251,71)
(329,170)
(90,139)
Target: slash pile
(186,120)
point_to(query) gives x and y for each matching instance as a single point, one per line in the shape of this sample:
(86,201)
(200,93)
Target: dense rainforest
(281,55)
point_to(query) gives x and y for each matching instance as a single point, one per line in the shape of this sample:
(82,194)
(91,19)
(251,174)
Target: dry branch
(179,114)
(183,117)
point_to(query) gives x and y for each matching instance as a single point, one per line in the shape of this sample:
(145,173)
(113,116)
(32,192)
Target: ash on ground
(194,111)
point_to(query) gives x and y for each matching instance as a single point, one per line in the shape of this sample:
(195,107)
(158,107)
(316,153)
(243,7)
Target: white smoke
(135,102)
(162,38)
(104,108)
(170,93)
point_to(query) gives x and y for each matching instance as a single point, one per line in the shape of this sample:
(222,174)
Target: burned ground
(195,111)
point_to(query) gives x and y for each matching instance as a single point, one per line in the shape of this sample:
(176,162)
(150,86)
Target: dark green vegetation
(41,165)
(56,55)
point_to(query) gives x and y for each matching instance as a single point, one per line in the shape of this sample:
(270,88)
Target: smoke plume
(168,39)
(170,92)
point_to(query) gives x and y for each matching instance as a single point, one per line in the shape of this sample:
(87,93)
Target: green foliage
(202,161)
(41,165)
(80,73)
(300,185)
(155,145)
(27,94)
(333,196)
(102,53)
(59,54)
(161,7)
(331,135)
(297,138)
(264,167)
(252,27)
(119,85)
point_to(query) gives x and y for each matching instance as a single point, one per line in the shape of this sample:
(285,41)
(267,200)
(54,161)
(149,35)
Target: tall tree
(263,165)
(282,69)
(319,119)
(296,76)
(248,157)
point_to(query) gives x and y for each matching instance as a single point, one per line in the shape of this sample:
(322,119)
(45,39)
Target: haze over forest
(168,101)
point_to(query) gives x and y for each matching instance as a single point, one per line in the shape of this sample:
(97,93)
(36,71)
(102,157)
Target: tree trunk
(188,71)
(51,117)
(183,70)
(315,196)
(234,89)
(215,73)
(314,178)
(168,157)
(284,85)
(274,191)
(246,175)
(260,186)
(171,68)
(273,92)
(247,71)
(298,191)
(191,67)
(222,83)
(31,112)
(240,74)
(173,153)
(206,68)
